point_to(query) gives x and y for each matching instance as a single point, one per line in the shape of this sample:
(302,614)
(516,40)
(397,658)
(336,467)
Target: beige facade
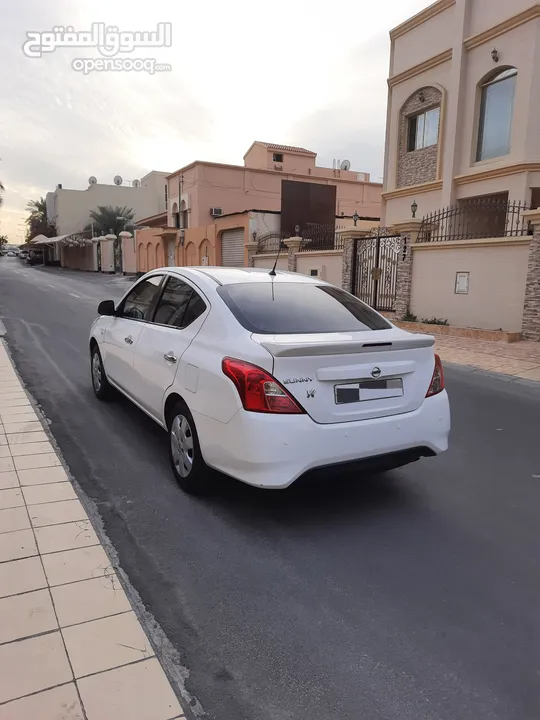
(463,111)
(70,209)
(495,279)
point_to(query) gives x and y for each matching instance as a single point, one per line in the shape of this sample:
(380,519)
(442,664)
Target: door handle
(129,340)
(170,357)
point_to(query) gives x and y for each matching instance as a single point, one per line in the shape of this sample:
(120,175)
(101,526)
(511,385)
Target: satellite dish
(346,165)
(92,180)
(136,183)
(118,180)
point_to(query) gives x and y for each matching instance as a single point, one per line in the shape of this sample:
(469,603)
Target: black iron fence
(475,219)
(320,237)
(271,242)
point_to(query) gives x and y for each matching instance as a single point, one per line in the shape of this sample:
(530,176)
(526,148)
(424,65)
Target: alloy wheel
(96,372)
(182,448)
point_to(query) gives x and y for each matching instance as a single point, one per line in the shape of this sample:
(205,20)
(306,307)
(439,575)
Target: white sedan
(269,377)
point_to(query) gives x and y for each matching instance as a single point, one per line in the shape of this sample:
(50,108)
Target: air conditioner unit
(216,212)
(317,272)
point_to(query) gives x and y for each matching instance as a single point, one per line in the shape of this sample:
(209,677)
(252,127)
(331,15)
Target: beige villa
(463,107)
(462,153)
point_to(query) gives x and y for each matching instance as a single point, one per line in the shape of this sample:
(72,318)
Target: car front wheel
(189,468)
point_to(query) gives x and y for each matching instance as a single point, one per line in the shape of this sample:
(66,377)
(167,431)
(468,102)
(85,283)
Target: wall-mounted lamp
(414,208)
(421,96)
(355,218)
(495,55)
(297,230)
(254,236)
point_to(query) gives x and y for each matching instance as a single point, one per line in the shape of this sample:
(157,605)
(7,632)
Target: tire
(100,384)
(188,466)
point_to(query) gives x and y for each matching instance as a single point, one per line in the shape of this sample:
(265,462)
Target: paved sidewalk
(519,360)
(71,646)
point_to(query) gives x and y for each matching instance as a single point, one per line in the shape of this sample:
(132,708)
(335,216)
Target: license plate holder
(366,390)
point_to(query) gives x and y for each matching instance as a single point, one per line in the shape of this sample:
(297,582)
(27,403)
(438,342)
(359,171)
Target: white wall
(263,223)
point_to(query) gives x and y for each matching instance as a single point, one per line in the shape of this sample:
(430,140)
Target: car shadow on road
(344,494)
(339,496)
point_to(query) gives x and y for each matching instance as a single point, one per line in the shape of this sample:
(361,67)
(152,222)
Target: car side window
(177,306)
(138,302)
(195,309)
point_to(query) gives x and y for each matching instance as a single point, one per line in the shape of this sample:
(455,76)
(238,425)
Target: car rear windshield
(298,308)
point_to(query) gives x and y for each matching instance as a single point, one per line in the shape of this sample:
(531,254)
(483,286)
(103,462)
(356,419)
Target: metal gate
(375,263)
(232,248)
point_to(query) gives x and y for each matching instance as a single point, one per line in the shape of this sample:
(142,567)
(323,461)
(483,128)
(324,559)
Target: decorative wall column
(409,231)
(348,237)
(251,248)
(530,328)
(293,246)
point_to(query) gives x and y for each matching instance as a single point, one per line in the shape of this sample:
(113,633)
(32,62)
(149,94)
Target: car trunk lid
(346,377)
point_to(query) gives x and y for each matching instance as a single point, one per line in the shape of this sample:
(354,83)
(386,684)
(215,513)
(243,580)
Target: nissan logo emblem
(376,372)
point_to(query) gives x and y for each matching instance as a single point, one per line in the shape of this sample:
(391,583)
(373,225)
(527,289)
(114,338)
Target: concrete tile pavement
(520,359)
(71,646)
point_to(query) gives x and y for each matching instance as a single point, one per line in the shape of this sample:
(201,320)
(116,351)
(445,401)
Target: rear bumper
(272,451)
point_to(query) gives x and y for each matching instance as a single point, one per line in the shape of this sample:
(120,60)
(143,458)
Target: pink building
(202,190)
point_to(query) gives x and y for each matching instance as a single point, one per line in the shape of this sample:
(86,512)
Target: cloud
(285,73)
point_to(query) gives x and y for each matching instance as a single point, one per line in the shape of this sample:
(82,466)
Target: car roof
(231,276)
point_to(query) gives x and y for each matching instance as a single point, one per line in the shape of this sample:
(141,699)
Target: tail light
(437,381)
(258,390)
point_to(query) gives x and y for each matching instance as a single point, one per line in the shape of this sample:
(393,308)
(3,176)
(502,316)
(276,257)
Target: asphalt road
(409,596)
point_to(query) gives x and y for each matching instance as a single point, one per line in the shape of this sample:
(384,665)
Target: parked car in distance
(269,377)
(35,257)
(23,254)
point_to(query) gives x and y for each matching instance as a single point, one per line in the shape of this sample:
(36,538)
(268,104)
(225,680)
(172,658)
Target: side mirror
(106,307)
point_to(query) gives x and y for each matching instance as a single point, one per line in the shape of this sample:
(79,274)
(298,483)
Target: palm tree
(107,218)
(37,220)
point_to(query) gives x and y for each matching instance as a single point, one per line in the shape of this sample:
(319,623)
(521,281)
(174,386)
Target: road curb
(165,652)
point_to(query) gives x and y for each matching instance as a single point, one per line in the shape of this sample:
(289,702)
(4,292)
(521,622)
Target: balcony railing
(475,219)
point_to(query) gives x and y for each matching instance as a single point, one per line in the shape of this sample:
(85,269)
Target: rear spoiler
(306,349)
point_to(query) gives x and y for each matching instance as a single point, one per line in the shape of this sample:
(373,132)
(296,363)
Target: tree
(1,193)
(3,240)
(107,218)
(37,220)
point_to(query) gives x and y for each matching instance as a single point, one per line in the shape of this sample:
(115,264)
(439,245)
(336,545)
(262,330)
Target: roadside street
(408,596)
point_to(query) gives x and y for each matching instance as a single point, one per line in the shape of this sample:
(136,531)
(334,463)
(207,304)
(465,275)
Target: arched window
(496,110)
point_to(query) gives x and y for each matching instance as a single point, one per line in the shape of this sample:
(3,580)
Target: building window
(535,198)
(496,109)
(166,197)
(277,157)
(423,130)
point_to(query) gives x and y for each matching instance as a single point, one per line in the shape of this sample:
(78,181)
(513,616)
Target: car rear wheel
(102,388)
(188,466)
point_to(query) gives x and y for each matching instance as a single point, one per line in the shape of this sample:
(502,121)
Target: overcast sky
(295,72)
